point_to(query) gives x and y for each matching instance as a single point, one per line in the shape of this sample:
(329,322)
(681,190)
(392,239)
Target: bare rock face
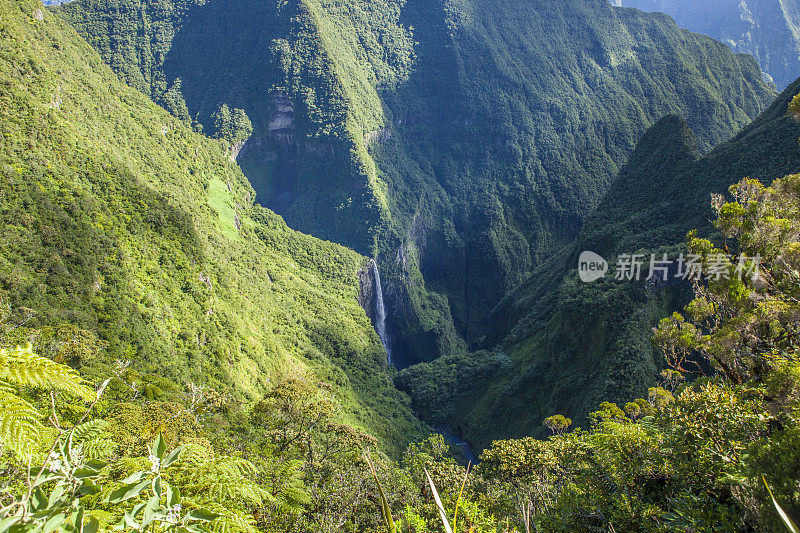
(283,115)
(769,30)
(366,292)
(377,136)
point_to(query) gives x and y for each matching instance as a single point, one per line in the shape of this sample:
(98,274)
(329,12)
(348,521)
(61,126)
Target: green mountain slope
(120,222)
(559,345)
(462,142)
(769,30)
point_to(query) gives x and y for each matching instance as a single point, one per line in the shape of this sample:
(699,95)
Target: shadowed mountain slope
(558,345)
(460,142)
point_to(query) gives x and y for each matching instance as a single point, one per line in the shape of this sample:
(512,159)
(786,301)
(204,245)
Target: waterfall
(380,311)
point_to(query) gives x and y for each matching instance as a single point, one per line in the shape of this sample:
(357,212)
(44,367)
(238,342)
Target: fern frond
(22,368)
(226,479)
(233,490)
(233,467)
(605,482)
(99,448)
(89,430)
(192,457)
(20,425)
(234,522)
(293,493)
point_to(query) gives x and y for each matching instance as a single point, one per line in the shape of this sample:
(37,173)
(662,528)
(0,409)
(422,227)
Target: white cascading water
(380,312)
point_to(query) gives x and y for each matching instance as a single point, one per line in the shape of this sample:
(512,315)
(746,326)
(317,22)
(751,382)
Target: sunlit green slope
(118,220)
(461,141)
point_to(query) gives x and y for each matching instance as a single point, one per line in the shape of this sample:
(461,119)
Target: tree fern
(22,368)
(20,428)
(605,482)
(94,439)
(20,422)
(224,485)
(229,479)
(288,489)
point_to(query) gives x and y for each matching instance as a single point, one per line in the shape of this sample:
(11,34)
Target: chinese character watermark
(691,267)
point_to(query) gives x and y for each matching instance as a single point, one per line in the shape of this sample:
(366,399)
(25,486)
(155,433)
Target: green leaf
(159,447)
(91,468)
(201,515)
(157,486)
(7,523)
(53,523)
(38,500)
(790,525)
(458,501)
(89,487)
(45,479)
(56,494)
(153,504)
(171,457)
(133,478)
(91,526)
(385,509)
(438,500)
(131,522)
(127,492)
(173,495)
(77,518)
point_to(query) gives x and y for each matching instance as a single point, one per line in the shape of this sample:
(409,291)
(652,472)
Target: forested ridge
(460,143)
(134,236)
(553,334)
(767,30)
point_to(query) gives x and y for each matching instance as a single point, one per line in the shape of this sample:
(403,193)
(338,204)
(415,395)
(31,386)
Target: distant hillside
(460,142)
(121,226)
(558,345)
(767,29)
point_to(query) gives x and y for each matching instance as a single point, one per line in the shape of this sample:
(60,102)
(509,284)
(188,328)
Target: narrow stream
(461,447)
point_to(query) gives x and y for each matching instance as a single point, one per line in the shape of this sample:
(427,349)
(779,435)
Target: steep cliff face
(460,153)
(574,344)
(769,30)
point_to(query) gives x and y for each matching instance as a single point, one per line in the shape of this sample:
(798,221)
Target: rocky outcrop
(235,149)
(283,113)
(377,136)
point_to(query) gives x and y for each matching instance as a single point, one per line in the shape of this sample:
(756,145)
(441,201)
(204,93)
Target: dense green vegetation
(765,29)
(719,453)
(460,142)
(568,345)
(128,237)
(174,358)
(327,58)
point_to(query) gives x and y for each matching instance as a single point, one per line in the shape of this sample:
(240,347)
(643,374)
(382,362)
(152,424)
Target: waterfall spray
(380,311)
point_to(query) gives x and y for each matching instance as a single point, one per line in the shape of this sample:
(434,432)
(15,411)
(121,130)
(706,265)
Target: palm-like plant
(440,506)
